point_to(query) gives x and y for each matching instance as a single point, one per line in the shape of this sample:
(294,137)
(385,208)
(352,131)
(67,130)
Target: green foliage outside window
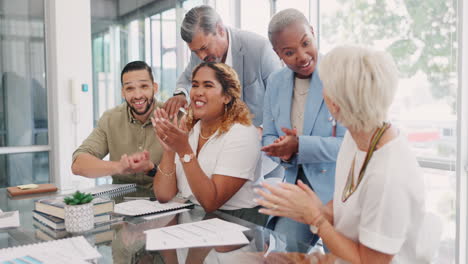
(421,35)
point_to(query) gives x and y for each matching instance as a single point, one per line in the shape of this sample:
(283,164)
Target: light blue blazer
(318,149)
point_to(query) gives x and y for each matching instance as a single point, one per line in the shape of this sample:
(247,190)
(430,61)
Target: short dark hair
(202,18)
(136,66)
(283,19)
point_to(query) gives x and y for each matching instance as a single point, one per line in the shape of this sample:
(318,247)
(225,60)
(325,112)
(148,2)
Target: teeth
(198,103)
(139,103)
(305,65)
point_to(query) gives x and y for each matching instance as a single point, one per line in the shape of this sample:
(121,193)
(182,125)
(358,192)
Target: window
(421,36)
(302,5)
(225,9)
(24,144)
(163,60)
(255,16)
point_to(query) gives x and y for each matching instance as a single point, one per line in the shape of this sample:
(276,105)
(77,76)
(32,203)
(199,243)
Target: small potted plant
(79,214)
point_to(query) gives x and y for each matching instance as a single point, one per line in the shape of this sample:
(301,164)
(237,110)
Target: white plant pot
(79,218)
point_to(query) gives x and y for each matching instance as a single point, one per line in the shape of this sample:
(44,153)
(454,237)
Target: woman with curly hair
(212,156)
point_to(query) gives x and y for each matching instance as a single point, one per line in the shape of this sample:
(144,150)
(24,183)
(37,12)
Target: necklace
(350,187)
(206,138)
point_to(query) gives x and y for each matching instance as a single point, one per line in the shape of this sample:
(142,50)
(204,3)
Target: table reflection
(124,240)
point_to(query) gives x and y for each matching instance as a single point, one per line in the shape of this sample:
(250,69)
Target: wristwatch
(315,228)
(187,158)
(153,171)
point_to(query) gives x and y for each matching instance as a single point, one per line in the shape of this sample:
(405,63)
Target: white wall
(68,41)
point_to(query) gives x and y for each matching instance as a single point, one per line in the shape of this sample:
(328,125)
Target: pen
(139,198)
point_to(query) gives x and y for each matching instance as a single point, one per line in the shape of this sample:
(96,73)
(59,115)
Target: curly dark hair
(237,110)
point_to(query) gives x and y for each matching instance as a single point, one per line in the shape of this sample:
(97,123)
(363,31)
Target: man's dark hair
(136,66)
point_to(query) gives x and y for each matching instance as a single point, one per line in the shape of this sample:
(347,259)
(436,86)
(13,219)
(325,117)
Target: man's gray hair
(283,19)
(200,17)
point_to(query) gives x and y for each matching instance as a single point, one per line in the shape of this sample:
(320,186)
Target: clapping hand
(297,202)
(138,162)
(173,136)
(285,146)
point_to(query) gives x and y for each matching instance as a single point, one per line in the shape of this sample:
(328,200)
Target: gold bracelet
(165,174)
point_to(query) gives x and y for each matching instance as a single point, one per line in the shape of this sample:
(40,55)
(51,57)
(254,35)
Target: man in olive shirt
(122,131)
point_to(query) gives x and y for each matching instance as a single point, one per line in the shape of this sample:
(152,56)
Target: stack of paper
(212,232)
(69,250)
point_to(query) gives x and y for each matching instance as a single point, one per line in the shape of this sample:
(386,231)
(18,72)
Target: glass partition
(23,91)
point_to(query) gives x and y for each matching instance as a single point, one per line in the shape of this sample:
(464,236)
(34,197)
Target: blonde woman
(377,213)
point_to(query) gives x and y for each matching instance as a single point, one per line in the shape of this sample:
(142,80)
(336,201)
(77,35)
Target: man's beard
(148,107)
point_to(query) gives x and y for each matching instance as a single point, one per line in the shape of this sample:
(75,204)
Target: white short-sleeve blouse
(386,211)
(235,153)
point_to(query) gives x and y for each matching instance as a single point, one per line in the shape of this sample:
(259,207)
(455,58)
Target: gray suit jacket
(253,59)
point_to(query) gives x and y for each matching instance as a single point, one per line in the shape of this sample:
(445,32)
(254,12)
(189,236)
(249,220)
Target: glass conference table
(123,240)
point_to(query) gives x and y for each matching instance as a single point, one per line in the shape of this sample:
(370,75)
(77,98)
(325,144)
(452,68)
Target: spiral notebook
(68,250)
(111,189)
(144,207)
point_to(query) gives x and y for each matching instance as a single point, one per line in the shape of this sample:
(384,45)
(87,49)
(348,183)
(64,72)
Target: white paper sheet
(212,232)
(9,219)
(69,250)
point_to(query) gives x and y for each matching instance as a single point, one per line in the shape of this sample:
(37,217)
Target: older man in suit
(249,54)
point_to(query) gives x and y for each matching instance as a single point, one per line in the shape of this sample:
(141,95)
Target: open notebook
(144,207)
(68,250)
(111,189)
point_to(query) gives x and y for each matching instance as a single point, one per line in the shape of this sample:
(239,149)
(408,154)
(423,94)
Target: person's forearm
(165,180)
(202,187)
(89,166)
(341,246)
(349,250)
(327,211)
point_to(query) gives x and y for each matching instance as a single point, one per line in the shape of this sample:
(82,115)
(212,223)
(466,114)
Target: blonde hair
(362,82)
(236,110)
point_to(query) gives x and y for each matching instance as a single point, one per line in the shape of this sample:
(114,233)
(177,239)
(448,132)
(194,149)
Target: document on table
(68,250)
(212,232)
(9,219)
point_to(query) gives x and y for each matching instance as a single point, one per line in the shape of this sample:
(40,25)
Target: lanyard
(350,188)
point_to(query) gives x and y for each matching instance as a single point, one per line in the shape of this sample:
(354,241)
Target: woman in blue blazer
(298,129)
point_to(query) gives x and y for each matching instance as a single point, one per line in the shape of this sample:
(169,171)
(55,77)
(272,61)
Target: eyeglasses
(350,187)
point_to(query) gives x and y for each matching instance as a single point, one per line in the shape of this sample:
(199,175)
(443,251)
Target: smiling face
(138,91)
(210,47)
(207,95)
(295,45)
